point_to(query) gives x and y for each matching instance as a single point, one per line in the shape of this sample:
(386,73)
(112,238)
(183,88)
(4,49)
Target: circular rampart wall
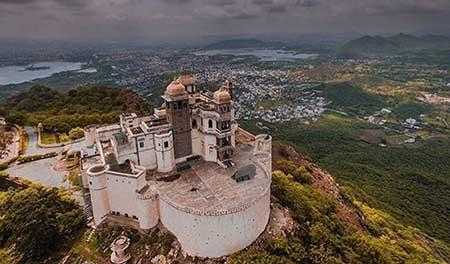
(217,235)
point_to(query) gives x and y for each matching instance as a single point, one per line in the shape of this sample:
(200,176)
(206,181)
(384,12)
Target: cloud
(17,2)
(121,18)
(69,3)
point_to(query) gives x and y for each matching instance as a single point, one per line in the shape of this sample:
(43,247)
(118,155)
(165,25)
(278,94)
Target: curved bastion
(210,212)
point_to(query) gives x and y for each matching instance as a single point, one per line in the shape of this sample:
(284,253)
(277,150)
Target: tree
(76,133)
(16,117)
(36,220)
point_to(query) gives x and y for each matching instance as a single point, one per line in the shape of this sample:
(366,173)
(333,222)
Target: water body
(262,54)
(88,70)
(20,74)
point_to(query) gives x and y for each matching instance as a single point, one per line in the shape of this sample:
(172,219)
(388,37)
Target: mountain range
(379,45)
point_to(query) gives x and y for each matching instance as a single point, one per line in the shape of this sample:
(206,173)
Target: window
(210,123)
(194,123)
(166,144)
(141,144)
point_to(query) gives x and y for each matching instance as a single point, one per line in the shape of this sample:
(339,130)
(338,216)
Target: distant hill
(378,45)
(243,44)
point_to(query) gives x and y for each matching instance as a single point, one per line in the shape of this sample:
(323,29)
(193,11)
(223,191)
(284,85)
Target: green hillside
(76,108)
(410,181)
(378,45)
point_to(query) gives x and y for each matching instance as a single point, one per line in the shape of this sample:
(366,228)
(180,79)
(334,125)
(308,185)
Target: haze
(184,20)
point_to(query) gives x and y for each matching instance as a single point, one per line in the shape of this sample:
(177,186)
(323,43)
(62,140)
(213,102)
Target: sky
(179,20)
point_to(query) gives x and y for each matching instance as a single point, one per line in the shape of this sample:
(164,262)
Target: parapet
(263,143)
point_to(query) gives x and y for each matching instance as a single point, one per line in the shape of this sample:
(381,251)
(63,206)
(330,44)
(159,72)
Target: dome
(222,96)
(175,88)
(186,79)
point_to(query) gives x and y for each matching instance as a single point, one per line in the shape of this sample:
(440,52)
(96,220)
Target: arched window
(194,123)
(210,123)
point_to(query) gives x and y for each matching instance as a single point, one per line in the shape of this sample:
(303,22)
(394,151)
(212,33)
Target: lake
(20,74)
(262,54)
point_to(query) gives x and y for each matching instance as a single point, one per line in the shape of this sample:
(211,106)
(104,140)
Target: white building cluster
(188,166)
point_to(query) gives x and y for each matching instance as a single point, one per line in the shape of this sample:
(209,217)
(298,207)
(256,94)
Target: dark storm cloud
(409,8)
(177,1)
(277,6)
(157,18)
(62,2)
(16,1)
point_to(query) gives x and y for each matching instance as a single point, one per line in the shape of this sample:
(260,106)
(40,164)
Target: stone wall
(215,236)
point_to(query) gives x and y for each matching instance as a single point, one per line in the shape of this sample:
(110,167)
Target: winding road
(42,171)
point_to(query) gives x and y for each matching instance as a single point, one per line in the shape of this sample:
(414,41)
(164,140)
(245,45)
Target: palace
(187,166)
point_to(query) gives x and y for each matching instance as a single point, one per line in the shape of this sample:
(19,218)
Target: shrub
(4,174)
(25,159)
(3,166)
(291,248)
(286,166)
(76,133)
(302,175)
(257,257)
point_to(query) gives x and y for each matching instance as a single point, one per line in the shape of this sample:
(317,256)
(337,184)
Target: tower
(225,139)
(230,87)
(179,115)
(99,192)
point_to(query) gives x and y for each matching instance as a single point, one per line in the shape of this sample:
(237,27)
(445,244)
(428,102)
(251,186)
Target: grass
(74,178)
(352,99)
(48,138)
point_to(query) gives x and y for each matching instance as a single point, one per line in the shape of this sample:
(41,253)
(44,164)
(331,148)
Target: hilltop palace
(188,166)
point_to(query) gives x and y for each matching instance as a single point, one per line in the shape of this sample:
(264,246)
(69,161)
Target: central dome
(186,79)
(222,95)
(175,88)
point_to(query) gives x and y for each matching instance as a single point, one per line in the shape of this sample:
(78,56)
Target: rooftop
(121,138)
(136,130)
(207,188)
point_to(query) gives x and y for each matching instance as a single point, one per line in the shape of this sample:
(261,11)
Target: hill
(378,45)
(76,108)
(409,181)
(313,220)
(243,44)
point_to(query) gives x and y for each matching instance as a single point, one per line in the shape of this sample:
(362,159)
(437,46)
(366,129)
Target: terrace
(207,188)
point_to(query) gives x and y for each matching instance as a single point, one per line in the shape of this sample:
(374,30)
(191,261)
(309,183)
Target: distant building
(188,166)
(411,121)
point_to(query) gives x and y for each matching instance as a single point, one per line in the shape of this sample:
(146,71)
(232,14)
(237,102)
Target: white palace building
(188,166)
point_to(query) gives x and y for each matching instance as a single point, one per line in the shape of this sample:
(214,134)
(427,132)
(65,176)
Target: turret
(89,135)
(263,151)
(148,207)
(99,192)
(165,156)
